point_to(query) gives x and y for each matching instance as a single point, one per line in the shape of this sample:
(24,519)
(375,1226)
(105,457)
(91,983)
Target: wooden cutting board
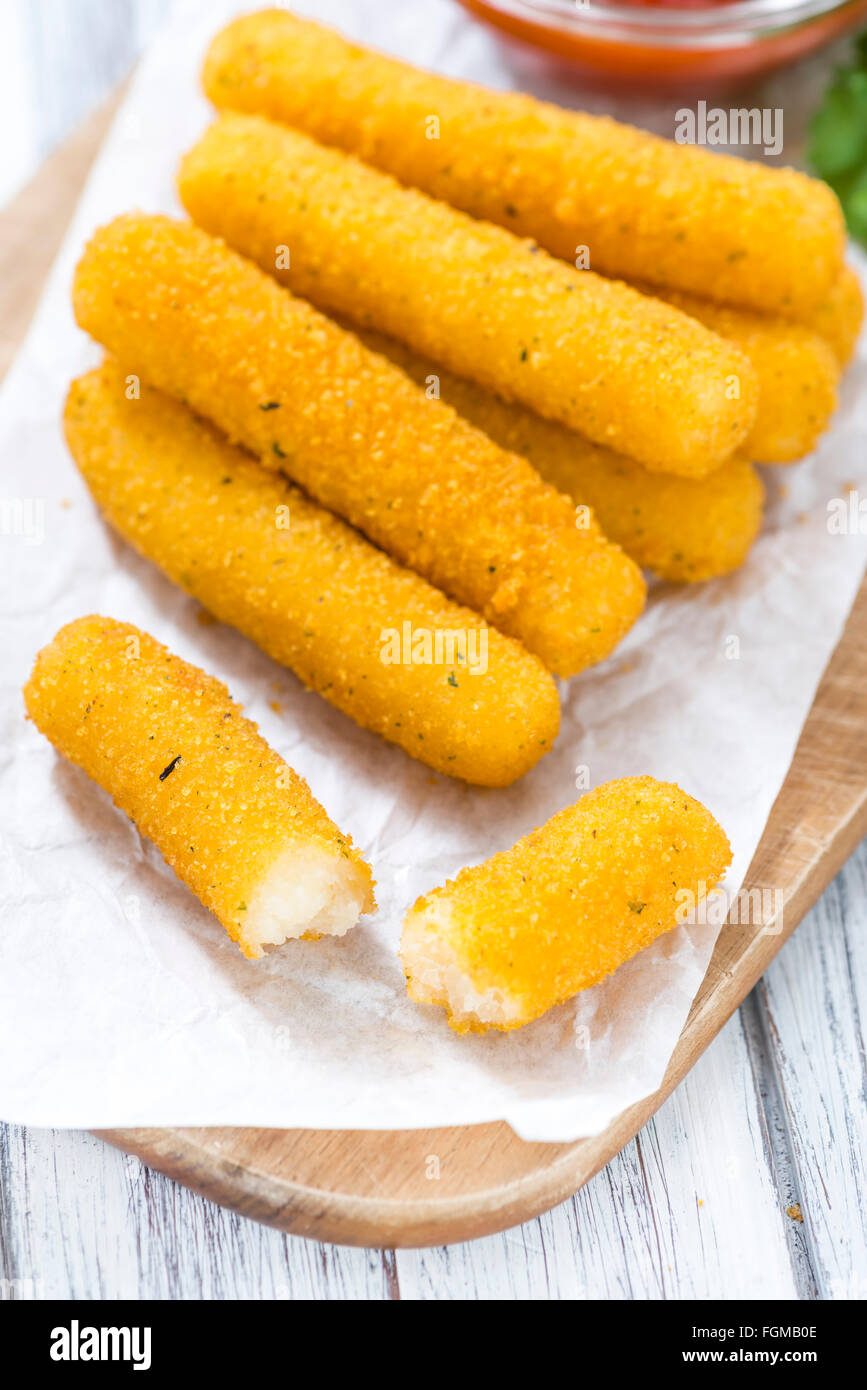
(371,1187)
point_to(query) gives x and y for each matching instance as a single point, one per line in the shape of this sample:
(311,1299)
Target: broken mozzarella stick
(684,529)
(627,371)
(646,208)
(175,752)
(373,639)
(507,940)
(310,400)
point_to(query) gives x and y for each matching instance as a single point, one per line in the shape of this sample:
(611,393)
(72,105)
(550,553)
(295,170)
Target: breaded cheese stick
(797,372)
(647,208)
(308,398)
(374,639)
(627,371)
(174,750)
(684,529)
(838,318)
(504,942)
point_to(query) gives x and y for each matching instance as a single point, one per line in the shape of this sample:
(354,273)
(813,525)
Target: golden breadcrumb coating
(797,373)
(176,753)
(647,208)
(838,318)
(503,942)
(684,529)
(626,370)
(306,588)
(306,397)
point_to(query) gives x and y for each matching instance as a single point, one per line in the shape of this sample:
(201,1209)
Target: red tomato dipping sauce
(679,40)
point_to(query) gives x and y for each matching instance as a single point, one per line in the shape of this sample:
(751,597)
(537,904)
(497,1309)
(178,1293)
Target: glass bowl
(677,41)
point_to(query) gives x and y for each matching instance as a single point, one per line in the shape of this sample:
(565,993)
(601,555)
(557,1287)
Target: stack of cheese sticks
(371,407)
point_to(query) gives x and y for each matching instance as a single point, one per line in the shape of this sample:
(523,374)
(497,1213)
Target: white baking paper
(122,1001)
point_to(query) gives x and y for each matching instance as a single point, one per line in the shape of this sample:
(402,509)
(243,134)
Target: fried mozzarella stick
(375,640)
(504,942)
(646,208)
(174,750)
(797,372)
(306,397)
(839,317)
(684,529)
(627,371)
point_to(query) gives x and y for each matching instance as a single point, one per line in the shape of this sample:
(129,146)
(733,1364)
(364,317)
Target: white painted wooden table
(697,1206)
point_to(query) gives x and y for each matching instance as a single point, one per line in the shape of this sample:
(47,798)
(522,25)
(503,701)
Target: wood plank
(80,1220)
(810,1008)
(372,1188)
(688,1209)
